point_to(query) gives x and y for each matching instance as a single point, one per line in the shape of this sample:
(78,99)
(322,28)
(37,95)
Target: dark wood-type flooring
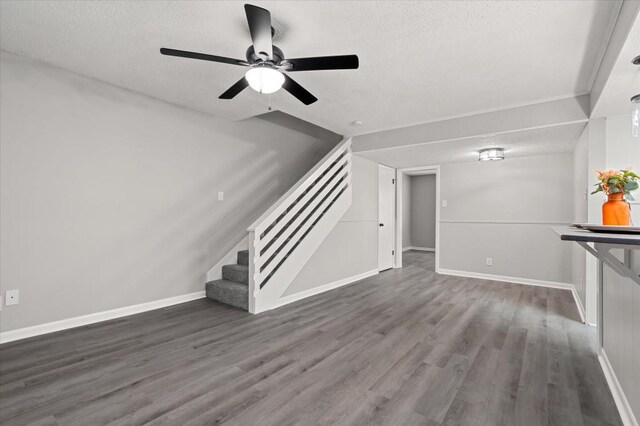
(403,347)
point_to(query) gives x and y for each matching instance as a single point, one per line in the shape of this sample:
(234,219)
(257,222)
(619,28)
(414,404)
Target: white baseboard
(525,281)
(321,289)
(418,248)
(503,278)
(579,305)
(37,330)
(628,419)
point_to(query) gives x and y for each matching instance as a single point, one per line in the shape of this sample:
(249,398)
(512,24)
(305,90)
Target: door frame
(415,171)
(394,219)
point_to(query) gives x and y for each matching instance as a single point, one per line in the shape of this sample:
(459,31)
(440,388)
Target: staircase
(233,288)
(285,237)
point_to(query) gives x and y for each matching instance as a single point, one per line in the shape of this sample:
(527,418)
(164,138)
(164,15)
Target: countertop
(573,234)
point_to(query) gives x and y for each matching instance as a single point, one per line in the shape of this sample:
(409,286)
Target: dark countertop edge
(572,234)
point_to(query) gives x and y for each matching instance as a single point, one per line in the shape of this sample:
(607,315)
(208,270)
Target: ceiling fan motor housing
(253,58)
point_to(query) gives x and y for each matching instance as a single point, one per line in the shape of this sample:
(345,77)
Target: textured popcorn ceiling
(420,61)
(548,140)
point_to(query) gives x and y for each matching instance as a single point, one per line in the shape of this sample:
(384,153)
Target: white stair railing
(283,239)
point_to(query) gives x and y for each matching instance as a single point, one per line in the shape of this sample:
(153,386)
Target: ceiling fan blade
(343,62)
(202,56)
(298,91)
(235,89)
(259,20)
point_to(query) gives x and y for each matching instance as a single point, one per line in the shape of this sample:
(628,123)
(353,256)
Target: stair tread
(227,284)
(236,267)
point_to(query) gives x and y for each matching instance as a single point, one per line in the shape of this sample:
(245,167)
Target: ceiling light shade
(491,154)
(264,79)
(635,116)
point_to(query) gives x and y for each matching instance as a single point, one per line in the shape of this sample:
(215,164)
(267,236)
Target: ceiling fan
(267,63)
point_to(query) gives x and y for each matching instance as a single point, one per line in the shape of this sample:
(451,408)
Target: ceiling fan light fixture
(491,154)
(265,79)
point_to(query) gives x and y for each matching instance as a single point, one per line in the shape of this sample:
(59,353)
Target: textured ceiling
(548,140)
(419,61)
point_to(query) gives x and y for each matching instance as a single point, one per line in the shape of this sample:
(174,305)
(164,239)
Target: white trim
(626,414)
(581,311)
(397,259)
(418,248)
(321,289)
(503,278)
(37,330)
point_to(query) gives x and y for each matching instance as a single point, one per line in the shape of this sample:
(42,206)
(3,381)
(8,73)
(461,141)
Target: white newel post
(253,292)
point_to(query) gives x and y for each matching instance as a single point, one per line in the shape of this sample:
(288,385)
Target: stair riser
(231,274)
(243,257)
(237,296)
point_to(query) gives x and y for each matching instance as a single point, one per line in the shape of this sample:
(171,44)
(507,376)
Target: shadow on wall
(109,197)
(200,224)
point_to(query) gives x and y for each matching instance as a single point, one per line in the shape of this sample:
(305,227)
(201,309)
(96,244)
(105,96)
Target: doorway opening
(418,206)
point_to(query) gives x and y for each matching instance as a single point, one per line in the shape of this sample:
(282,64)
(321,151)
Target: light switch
(220,196)
(12,297)
(444,203)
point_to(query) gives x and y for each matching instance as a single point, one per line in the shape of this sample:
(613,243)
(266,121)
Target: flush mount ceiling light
(491,154)
(265,79)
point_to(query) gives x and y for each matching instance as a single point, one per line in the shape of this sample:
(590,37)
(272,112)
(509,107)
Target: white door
(386,216)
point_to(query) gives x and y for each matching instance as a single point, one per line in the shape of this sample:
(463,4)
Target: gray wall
(504,210)
(109,198)
(423,211)
(352,246)
(406,210)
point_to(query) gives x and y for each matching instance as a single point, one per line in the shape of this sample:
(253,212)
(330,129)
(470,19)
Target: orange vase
(615,211)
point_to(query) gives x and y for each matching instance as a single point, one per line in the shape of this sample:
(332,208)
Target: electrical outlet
(221,196)
(12,297)
(489,261)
